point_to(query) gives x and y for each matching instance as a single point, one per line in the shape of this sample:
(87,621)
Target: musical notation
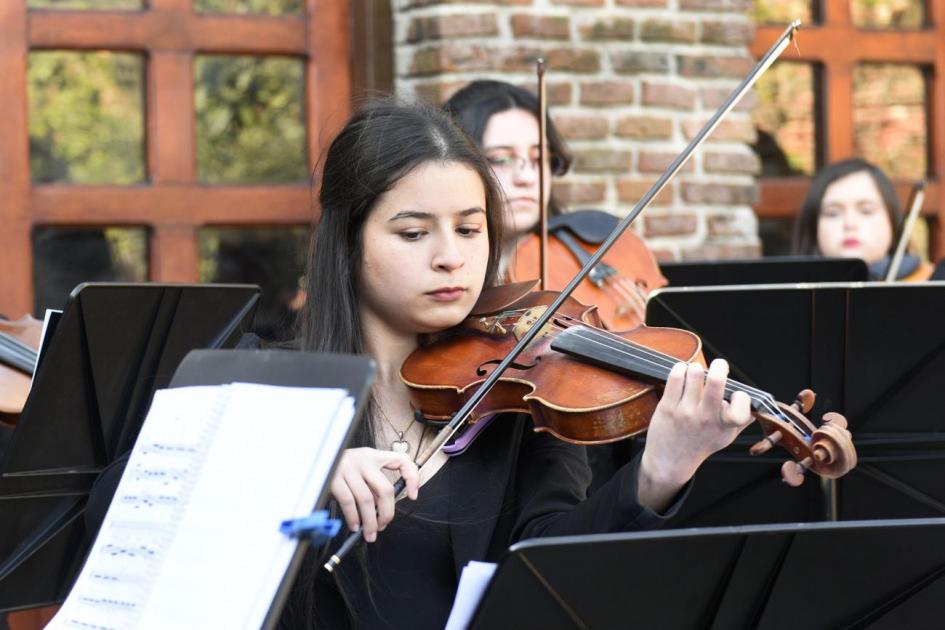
(172,551)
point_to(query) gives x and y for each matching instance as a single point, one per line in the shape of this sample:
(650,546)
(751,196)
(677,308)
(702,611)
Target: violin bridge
(528,319)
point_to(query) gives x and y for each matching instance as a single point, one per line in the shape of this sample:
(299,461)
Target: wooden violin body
(618,286)
(17,338)
(586,385)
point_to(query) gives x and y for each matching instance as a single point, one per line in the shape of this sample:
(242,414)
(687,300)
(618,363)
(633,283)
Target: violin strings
(763,398)
(17,348)
(663,361)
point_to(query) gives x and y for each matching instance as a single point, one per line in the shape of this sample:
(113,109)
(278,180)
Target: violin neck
(620,355)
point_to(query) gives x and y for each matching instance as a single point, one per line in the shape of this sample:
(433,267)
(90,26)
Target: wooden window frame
(818,43)
(172,204)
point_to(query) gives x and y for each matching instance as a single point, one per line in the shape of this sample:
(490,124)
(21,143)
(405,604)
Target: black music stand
(114,345)
(291,369)
(769,270)
(880,574)
(874,352)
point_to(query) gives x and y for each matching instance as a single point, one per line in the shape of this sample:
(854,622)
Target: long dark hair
(805,226)
(381,144)
(473,106)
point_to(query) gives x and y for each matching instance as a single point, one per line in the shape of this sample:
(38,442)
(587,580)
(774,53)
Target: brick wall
(629,83)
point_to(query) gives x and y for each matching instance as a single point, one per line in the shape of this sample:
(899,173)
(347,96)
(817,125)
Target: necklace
(400,445)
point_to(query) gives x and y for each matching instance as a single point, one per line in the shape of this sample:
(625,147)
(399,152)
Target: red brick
(604,93)
(727,130)
(713,97)
(582,127)
(660,30)
(635,62)
(438,92)
(712,67)
(658,161)
(558,59)
(644,127)
(570,193)
(630,191)
(721,194)
(541,26)
(573,60)
(727,32)
(668,95)
(608,28)
(747,163)
(602,161)
(580,3)
(669,224)
(720,251)
(729,224)
(452,58)
(733,6)
(452,26)
(557,93)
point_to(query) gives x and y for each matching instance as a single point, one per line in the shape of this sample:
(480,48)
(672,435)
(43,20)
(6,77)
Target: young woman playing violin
(410,234)
(503,119)
(851,210)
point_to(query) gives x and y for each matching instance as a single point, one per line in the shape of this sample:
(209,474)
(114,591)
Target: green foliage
(780,11)
(266,7)
(86,119)
(250,124)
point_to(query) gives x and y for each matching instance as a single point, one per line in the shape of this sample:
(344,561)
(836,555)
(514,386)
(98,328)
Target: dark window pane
(785,120)
(95,5)
(273,258)
(782,11)
(86,118)
(66,257)
(888,13)
(266,7)
(889,118)
(250,123)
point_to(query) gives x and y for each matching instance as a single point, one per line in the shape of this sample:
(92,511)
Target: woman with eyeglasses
(503,119)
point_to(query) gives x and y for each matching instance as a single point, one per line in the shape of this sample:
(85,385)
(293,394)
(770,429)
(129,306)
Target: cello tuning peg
(804,401)
(765,444)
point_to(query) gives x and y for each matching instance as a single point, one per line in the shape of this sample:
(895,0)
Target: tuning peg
(765,444)
(804,401)
(792,473)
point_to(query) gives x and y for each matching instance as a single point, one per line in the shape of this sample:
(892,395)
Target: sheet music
(473,582)
(191,539)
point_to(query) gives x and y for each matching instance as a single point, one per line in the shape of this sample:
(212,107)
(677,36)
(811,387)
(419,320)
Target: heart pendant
(400,446)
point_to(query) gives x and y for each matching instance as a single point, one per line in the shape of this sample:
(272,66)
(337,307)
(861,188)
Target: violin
(19,341)
(618,285)
(587,385)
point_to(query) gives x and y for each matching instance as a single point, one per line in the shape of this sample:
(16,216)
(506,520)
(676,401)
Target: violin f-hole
(483,371)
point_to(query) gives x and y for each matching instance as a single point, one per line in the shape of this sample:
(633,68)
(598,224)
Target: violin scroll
(826,450)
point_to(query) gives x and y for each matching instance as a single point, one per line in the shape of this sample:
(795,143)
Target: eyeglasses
(511,162)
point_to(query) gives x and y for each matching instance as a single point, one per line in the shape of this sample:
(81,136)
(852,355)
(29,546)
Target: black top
(513,483)
(411,563)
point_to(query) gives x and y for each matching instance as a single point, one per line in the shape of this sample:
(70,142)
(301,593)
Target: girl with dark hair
(503,119)
(851,210)
(408,236)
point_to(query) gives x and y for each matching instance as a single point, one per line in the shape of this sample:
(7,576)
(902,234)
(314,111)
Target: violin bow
(459,419)
(542,148)
(916,200)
